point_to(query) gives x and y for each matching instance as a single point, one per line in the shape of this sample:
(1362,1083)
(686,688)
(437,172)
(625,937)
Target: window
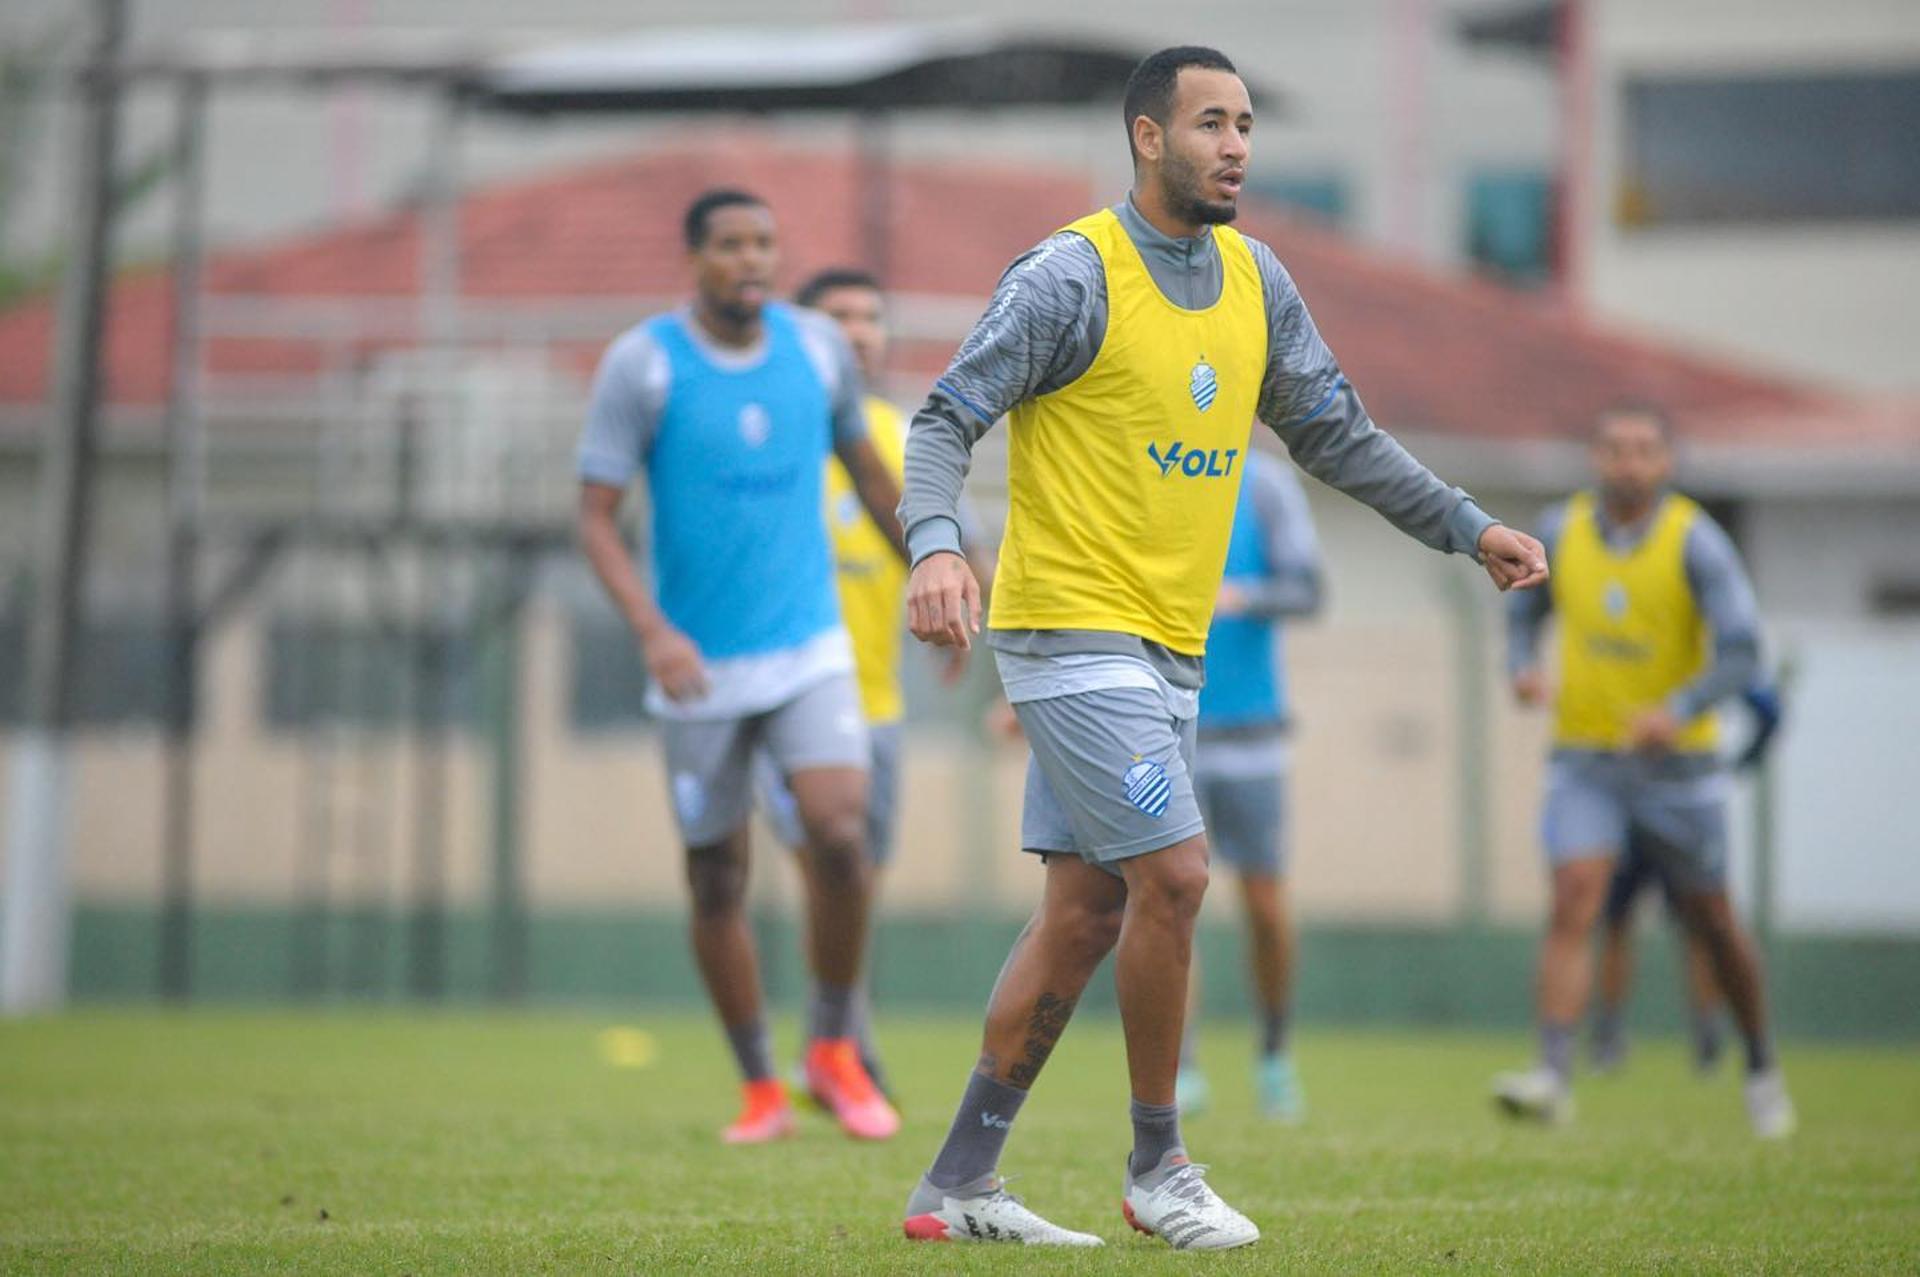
(1321,197)
(607,691)
(1510,224)
(353,673)
(1771,148)
(119,676)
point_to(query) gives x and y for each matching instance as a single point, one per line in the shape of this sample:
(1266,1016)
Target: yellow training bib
(1631,633)
(1121,487)
(872,580)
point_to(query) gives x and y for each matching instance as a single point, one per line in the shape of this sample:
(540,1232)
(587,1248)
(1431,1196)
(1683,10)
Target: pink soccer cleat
(836,1076)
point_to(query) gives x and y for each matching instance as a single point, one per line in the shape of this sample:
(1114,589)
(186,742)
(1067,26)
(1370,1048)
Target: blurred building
(1406,166)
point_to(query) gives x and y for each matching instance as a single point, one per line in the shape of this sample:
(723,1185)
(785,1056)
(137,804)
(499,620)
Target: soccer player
(1133,350)
(728,408)
(1657,625)
(1273,571)
(872,581)
(1631,877)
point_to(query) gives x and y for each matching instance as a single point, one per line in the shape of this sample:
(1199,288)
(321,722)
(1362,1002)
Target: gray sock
(926,1196)
(1556,1049)
(863,1035)
(1156,1132)
(1273,1032)
(1759,1054)
(831,1013)
(750,1049)
(978,1133)
(1706,1036)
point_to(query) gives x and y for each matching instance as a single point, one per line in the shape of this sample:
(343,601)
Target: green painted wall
(1350,974)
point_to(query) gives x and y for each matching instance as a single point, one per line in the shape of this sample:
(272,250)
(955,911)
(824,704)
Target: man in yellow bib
(1657,625)
(872,584)
(1132,351)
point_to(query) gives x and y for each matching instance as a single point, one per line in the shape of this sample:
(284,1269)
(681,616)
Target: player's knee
(836,842)
(1174,888)
(718,882)
(1574,909)
(1089,934)
(839,856)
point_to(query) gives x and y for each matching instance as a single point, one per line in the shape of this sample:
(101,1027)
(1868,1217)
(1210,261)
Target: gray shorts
(1110,775)
(710,762)
(1597,802)
(1245,808)
(883,794)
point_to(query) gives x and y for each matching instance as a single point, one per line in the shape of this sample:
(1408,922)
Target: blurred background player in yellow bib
(1657,626)
(872,583)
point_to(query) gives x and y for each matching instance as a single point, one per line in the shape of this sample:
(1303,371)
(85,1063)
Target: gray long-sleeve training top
(1041,332)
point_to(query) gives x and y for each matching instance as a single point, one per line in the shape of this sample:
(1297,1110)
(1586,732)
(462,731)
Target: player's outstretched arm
(1306,400)
(673,661)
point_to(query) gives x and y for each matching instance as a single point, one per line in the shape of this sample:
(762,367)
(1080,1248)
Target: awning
(851,67)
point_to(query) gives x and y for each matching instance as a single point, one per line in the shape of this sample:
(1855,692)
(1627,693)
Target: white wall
(1820,560)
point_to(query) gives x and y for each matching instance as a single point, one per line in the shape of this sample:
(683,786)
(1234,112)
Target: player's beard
(1628,498)
(1181,179)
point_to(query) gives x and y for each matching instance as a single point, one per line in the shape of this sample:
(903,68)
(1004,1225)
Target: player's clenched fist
(943,601)
(674,664)
(1514,560)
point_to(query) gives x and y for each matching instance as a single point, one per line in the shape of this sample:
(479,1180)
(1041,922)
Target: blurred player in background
(1240,773)
(1657,625)
(872,580)
(729,408)
(1631,877)
(1132,350)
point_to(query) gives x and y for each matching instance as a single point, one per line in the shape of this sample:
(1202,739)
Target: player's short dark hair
(1150,87)
(700,213)
(835,277)
(1644,410)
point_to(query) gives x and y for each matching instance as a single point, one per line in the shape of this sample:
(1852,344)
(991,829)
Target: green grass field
(390,1143)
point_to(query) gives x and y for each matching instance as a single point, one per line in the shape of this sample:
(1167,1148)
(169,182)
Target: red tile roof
(1431,352)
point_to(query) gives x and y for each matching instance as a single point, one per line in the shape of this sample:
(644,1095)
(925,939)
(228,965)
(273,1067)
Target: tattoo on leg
(1044,1027)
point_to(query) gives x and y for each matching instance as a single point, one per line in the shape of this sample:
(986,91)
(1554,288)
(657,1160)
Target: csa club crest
(1203,385)
(1615,600)
(1147,786)
(755,425)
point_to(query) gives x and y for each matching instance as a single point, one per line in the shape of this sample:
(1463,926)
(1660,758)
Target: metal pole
(1575,52)
(876,192)
(432,662)
(432,723)
(36,921)
(1409,49)
(505,662)
(1472,748)
(185,484)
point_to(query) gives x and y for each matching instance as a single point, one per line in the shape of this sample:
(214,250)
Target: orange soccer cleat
(765,1114)
(836,1076)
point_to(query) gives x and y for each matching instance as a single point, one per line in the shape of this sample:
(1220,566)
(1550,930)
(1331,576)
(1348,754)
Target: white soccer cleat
(1186,1212)
(1769,1107)
(1538,1095)
(990,1215)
